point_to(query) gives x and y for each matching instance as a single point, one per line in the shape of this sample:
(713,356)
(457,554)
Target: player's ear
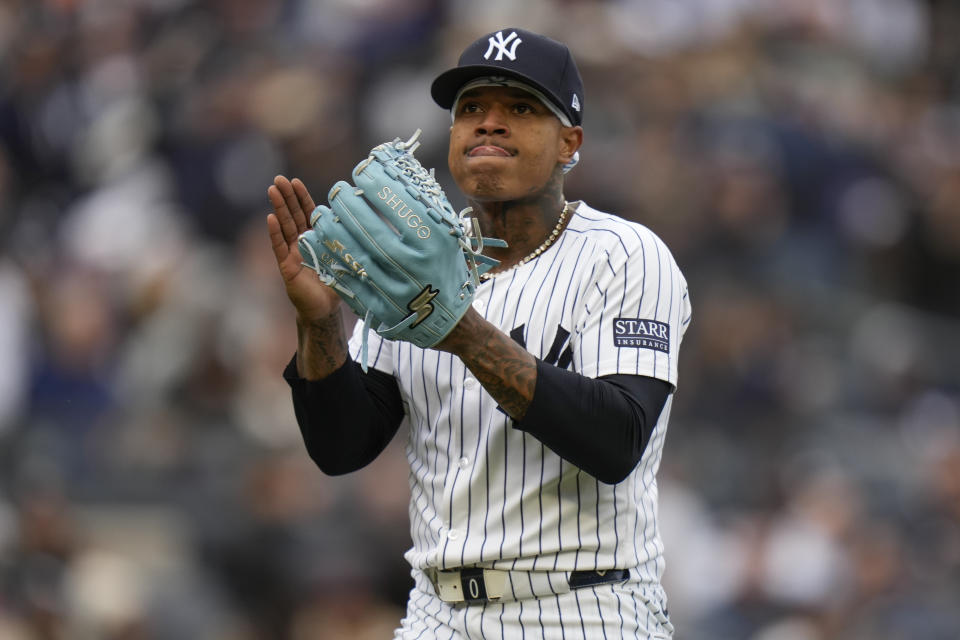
(570,140)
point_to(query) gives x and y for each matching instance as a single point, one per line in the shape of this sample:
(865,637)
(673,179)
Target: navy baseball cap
(544,64)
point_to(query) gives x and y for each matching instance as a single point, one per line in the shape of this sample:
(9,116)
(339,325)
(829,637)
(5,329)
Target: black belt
(475,584)
(580,579)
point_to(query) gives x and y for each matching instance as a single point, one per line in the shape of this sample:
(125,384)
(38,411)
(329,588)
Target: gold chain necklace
(536,252)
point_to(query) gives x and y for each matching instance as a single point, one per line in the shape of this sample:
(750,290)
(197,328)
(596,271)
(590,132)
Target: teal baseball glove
(394,249)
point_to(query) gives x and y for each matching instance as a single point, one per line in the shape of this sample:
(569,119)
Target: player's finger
(281,248)
(306,201)
(287,224)
(293,202)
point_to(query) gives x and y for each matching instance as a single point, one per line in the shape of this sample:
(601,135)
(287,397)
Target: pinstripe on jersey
(485,493)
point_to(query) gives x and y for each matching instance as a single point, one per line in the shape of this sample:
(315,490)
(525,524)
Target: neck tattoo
(536,252)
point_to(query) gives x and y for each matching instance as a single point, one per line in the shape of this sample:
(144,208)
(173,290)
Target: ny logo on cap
(500,44)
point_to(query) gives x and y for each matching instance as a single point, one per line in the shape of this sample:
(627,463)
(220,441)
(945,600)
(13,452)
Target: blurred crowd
(800,157)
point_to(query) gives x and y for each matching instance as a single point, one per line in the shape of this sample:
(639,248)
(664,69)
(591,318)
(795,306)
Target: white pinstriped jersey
(606,298)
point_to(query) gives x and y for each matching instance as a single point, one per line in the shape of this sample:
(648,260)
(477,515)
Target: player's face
(505,144)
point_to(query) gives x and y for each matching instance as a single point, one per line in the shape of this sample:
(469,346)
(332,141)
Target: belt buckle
(471,585)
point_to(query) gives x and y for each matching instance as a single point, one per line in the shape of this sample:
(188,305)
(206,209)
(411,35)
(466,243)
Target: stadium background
(800,157)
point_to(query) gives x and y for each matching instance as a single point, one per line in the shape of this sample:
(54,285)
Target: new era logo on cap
(544,64)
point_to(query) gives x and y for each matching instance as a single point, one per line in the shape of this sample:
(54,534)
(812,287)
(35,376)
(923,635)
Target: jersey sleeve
(635,309)
(379,350)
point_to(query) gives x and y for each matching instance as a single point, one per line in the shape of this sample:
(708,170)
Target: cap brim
(446,86)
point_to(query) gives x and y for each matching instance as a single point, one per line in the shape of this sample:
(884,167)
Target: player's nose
(493,122)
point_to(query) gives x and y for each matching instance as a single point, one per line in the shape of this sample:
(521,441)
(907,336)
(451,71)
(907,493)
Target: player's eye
(523,108)
(469,107)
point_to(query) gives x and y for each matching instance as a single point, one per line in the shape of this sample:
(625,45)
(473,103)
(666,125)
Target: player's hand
(292,206)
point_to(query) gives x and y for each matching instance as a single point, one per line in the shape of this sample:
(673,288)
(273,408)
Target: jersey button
(454,534)
(478,305)
(464,463)
(469,383)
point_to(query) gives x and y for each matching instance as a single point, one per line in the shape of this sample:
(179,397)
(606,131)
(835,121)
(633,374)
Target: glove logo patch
(641,334)
(422,305)
(337,247)
(403,212)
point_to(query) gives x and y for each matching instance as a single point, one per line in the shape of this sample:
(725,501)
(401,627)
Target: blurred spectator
(16,315)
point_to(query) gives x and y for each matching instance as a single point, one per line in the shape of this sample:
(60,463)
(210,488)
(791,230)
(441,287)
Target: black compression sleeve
(600,425)
(348,418)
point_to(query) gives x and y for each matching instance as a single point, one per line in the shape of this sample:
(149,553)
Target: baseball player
(536,426)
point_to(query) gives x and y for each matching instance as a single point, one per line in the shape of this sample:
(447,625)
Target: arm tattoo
(505,369)
(321,346)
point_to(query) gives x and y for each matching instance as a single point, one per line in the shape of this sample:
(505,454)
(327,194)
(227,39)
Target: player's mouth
(488,150)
